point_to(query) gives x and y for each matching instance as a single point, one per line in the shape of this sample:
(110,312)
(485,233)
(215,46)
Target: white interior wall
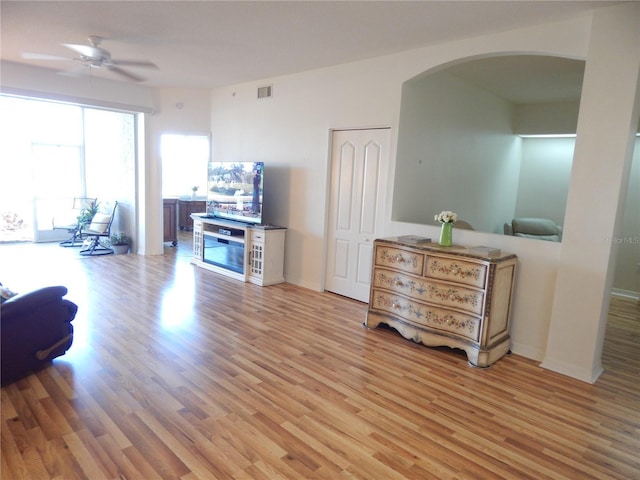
(556,118)
(176,110)
(627,273)
(290,133)
(32,81)
(545,172)
(451,129)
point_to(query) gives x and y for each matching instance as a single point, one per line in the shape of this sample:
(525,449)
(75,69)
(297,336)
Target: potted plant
(120,243)
(87,214)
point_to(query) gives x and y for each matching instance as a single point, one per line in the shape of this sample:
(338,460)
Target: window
(184,164)
(51,152)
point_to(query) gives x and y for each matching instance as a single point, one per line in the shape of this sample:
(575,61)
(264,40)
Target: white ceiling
(207,44)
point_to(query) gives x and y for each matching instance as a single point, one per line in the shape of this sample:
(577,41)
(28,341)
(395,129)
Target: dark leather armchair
(36,328)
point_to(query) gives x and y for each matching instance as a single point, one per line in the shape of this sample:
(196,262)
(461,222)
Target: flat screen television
(235,190)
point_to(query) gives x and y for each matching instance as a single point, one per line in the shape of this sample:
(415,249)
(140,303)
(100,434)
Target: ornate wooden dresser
(444,296)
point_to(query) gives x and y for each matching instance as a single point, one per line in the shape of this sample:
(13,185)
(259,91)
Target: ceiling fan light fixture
(93,56)
(95,62)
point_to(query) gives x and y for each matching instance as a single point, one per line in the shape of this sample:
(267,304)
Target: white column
(607,124)
(149,174)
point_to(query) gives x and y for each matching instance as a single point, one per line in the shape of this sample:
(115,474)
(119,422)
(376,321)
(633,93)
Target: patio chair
(97,232)
(80,215)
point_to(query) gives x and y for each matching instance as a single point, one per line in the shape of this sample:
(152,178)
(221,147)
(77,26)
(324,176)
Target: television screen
(234,190)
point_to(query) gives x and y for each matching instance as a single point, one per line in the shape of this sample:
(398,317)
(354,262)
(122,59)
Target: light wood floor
(178,373)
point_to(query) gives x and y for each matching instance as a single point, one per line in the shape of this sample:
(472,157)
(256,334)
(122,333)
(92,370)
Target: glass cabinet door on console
(266,255)
(224,253)
(250,253)
(197,240)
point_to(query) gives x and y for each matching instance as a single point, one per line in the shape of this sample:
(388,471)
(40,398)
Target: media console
(249,253)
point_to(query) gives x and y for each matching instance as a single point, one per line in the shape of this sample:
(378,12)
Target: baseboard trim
(618,292)
(527,351)
(573,371)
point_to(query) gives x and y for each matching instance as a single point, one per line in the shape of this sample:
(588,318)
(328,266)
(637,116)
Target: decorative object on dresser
(447,218)
(414,239)
(485,250)
(444,296)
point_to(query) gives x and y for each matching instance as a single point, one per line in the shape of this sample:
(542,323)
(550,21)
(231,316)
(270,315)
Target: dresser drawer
(430,290)
(435,318)
(257,236)
(455,270)
(401,260)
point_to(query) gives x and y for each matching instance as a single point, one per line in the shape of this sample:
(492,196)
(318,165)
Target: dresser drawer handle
(398,283)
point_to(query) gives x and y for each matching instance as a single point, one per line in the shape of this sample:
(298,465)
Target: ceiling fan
(93,56)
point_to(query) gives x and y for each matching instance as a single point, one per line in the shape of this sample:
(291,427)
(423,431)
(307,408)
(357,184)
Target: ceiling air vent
(265,92)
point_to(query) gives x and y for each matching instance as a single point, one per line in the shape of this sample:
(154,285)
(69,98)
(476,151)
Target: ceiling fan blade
(42,56)
(134,63)
(126,74)
(86,50)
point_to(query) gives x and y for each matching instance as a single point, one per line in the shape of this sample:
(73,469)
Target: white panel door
(357,159)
